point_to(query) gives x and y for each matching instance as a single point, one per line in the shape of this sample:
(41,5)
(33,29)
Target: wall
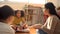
(14,5)
(54,1)
(58,3)
(21,5)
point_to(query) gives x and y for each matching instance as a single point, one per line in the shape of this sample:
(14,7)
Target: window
(1,0)
(18,0)
(37,1)
(30,1)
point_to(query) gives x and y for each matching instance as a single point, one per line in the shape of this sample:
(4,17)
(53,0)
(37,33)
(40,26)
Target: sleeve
(25,25)
(14,22)
(52,28)
(23,19)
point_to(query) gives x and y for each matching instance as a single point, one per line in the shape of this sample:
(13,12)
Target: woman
(19,19)
(52,25)
(6,18)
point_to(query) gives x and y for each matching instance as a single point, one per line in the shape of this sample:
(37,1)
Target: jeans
(41,32)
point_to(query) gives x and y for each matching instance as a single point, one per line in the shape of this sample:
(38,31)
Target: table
(22,32)
(31,31)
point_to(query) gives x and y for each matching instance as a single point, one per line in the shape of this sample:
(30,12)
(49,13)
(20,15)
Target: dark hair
(51,8)
(16,12)
(5,12)
(22,13)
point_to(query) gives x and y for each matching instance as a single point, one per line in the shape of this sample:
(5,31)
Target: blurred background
(33,8)
(33,12)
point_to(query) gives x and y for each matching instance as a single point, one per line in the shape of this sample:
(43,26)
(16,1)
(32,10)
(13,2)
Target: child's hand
(25,26)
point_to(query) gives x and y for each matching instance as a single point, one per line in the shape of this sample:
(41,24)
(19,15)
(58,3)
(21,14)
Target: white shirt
(6,29)
(49,22)
(52,25)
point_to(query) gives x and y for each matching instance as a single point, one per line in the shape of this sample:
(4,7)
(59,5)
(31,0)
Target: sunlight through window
(1,0)
(30,1)
(18,0)
(37,1)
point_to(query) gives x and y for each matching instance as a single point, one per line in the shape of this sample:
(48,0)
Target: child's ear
(10,19)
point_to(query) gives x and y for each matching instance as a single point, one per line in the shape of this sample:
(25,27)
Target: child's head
(6,14)
(19,13)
